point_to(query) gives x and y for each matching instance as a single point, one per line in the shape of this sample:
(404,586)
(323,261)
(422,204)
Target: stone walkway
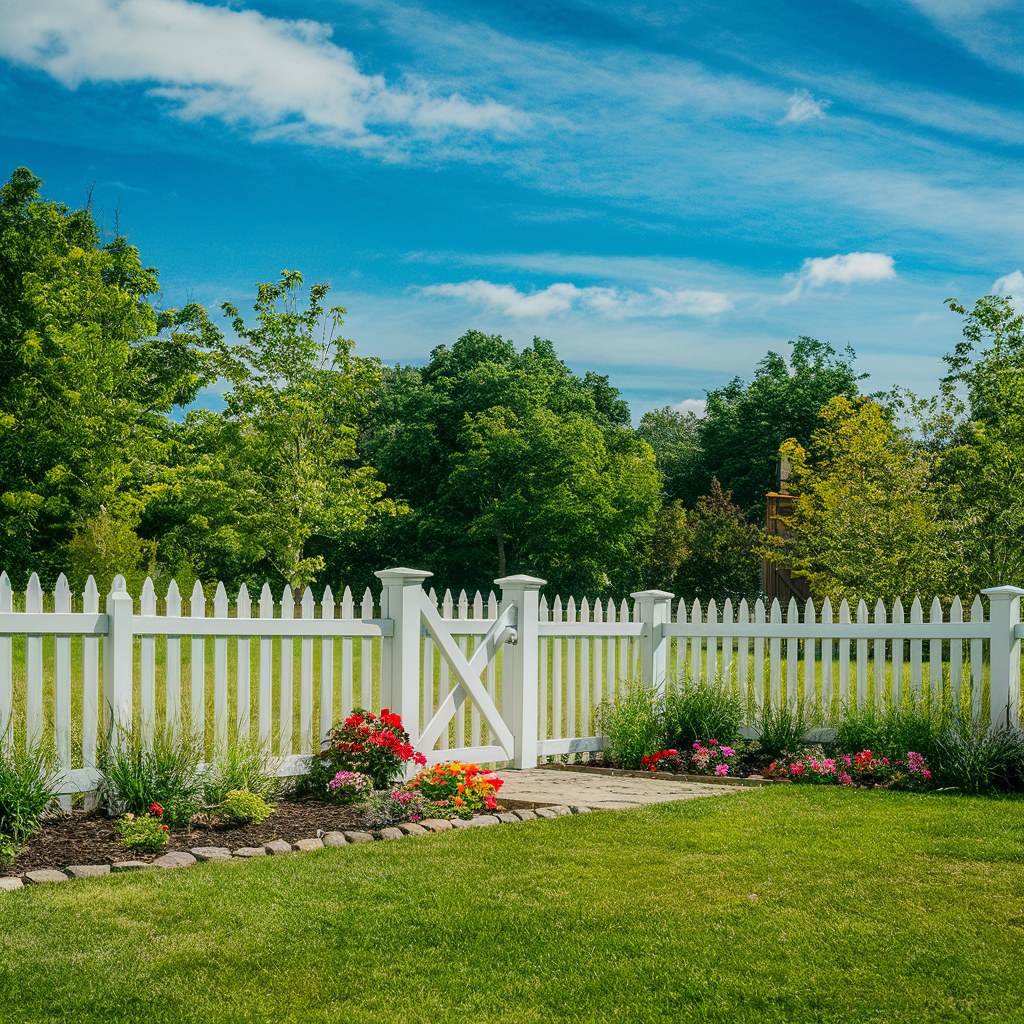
(543,786)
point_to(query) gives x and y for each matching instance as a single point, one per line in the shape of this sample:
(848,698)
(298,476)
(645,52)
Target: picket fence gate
(513,678)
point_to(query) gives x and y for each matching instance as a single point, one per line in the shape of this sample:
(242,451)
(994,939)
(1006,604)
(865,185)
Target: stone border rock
(278,847)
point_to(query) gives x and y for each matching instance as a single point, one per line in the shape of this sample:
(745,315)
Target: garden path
(543,786)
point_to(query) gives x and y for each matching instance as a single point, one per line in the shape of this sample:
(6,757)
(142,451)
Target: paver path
(544,786)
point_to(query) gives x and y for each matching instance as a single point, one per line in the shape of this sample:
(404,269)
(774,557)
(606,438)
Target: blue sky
(664,190)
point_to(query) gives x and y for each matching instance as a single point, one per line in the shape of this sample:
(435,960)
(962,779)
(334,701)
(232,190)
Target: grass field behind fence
(787,905)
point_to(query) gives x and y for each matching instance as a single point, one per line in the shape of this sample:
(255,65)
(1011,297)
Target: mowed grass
(776,906)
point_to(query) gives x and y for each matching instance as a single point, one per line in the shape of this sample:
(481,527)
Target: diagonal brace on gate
(467,672)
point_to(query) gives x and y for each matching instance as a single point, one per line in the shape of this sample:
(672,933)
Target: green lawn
(781,905)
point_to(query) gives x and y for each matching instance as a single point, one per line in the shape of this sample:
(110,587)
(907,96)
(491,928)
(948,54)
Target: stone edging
(710,780)
(278,847)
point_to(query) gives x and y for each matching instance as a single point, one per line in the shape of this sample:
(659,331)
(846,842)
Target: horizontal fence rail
(510,677)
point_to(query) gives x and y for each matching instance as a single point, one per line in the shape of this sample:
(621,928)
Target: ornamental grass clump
(374,745)
(632,724)
(694,713)
(28,787)
(462,788)
(144,833)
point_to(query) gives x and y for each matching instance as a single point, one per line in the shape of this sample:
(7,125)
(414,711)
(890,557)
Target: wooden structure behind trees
(777,581)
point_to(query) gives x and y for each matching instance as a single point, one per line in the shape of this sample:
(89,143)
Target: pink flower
(722,769)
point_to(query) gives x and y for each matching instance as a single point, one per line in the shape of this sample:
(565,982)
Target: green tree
(744,424)
(866,521)
(675,438)
(88,371)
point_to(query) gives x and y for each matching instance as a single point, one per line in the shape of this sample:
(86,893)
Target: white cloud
(849,268)
(280,77)
(1010,284)
(611,303)
(803,106)
(695,405)
(990,29)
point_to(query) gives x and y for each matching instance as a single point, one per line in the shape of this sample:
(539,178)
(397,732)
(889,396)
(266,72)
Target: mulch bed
(88,837)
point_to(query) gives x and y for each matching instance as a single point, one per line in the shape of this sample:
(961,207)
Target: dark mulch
(88,838)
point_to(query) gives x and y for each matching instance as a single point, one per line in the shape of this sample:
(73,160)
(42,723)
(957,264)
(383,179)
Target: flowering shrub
(389,807)
(462,787)
(714,759)
(350,787)
(146,832)
(863,769)
(374,745)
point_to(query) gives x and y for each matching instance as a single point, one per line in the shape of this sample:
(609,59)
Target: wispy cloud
(803,106)
(281,78)
(990,29)
(561,297)
(849,268)
(695,405)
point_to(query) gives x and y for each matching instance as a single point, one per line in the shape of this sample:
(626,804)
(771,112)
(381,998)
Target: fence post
(522,591)
(654,611)
(118,656)
(400,653)
(1004,656)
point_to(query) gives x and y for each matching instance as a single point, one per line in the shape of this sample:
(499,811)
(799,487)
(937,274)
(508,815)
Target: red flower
(156,810)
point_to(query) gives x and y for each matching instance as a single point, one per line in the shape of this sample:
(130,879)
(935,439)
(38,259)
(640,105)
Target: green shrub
(243,808)
(385,807)
(145,833)
(28,783)
(974,760)
(783,728)
(133,777)
(632,723)
(244,765)
(892,731)
(698,713)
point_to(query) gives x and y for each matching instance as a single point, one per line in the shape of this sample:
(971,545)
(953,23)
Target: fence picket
(147,665)
(570,674)
(809,693)
(879,656)
(366,654)
(742,654)
(625,661)
(711,664)
(197,687)
(266,697)
(597,664)
(474,713)
(775,658)
(915,652)
(826,661)
(492,674)
(33,670)
(544,615)
(172,670)
(844,658)
(6,669)
(287,683)
(758,657)
(935,653)
(696,645)
(792,652)
(446,613)
(977,650)
(956,656)
(862,657)
(611,680)
(727,672)
(220,673)
(62,684)
(243,657)
(556,672)
(899,617)
(306,679)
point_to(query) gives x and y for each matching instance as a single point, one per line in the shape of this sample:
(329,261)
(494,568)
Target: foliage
(716,758)
(865,520)
(145,833)
(374,745)
(512,464)
(675,438)
(895,729)
(782,727)
(723,552)
(973,759)
(632,724)
(134,777)
(28,784)
(463,788)
(696,713)
(240,807)
(241,765)
(387,807)
(349,787)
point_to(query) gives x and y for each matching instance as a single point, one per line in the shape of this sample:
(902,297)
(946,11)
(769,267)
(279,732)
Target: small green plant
(389,807)
(243,765)
(28,784)
(145,833)
(350,787)
(168,774)
(243,808)
(782,728)
(698,713)
(632,725)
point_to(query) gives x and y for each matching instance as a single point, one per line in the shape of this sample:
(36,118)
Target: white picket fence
(510,677)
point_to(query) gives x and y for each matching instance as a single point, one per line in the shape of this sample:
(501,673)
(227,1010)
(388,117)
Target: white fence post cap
(523,582)
(653,595)
(1004,592)
(401,573)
